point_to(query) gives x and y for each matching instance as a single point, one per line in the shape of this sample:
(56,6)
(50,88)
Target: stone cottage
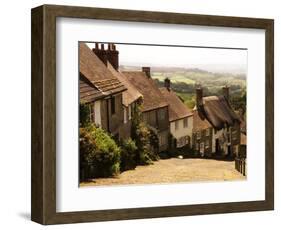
(100,89)
(130,98)
(216,125)
(154,108)
(180,117)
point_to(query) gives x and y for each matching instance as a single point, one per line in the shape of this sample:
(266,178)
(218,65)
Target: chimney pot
(167,83)
(100,53)
(199,97)
(146,70)
(113,56)
(225,91)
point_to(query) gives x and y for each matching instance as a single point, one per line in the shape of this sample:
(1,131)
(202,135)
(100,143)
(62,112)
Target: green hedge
(99,154)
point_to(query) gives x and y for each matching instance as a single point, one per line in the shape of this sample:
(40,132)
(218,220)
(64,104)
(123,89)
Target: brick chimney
(113,56)
(199,102)
(100,52)
(225,92)
(199,97)
(146,70)
(167,83)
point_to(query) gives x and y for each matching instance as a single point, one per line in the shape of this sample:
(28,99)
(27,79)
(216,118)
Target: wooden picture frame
(43,208)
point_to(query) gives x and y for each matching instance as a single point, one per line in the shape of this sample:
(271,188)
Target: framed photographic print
(140,114)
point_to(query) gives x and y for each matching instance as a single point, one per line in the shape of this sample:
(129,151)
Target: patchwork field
(175,78)
(174,170)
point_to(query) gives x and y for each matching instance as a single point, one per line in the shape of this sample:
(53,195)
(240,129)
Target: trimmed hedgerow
(99,154)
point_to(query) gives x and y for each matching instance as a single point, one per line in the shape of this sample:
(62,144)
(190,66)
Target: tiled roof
(94,70)
(152,97)
(131,94)
(177,109)
(88,92)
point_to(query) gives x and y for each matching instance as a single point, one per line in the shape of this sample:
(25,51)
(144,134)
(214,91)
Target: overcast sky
(210,59)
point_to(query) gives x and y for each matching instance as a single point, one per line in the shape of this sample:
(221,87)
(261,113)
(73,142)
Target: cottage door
(217,146)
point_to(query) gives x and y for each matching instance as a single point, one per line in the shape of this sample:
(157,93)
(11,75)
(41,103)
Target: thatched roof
(177,109)
(131,94)
(94,70)
(218,112)
(199,123)
(152,97)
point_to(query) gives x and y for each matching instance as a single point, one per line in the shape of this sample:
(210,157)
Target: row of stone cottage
(211,127)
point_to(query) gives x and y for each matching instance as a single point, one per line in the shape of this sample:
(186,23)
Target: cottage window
(92,112)
(176,125)
(150,118)
(185,122)
(162,139)
(198,134)
(112,105)
(234,134)
(162,114)
(207,143)
(182,141)
(207,132)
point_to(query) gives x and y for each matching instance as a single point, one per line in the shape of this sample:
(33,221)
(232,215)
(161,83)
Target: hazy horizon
(209,59)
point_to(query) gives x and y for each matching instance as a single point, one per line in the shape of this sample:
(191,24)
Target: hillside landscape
(185,80)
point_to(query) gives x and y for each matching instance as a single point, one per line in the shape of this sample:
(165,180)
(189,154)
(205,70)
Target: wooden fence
(240,165)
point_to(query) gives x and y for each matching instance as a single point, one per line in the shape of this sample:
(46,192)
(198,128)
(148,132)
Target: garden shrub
(99,154)
(142,142)
(154,144)
(128,154)
(140,134)
(84,115)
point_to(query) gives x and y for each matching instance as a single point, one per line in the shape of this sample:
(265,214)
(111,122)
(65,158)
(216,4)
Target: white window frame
(92,112)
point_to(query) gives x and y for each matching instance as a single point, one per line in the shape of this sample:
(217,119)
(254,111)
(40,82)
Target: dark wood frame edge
(43,96)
